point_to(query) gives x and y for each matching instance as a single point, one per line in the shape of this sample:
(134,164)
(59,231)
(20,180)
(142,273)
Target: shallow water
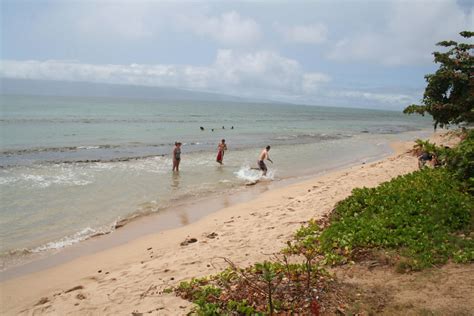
(73,167)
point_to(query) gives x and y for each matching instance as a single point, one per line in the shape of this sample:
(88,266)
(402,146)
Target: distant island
(11,86)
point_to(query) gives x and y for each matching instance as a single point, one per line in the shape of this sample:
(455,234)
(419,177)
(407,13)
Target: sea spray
(251,175)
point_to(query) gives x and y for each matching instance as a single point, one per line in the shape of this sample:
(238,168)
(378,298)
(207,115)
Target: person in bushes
(424,158)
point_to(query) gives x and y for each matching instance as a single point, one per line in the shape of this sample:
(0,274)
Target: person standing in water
(176,156)
(221,148)
(261,160)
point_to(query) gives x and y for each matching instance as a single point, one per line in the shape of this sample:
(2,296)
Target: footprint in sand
(78,287)
(212,235)
(80,296)
(42,301)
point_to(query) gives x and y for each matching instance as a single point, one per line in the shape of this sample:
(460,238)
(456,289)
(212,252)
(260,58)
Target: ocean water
(72,167)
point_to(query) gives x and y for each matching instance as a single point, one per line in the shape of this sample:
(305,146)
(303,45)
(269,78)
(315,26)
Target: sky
(349,53)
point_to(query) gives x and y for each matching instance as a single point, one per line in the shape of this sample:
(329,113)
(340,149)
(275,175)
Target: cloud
(261,74)
(306,34)
(313,81)
(383,98)
(262,69)
(368,98)
(408,35)
(229,28)
(129,22)
(253,74)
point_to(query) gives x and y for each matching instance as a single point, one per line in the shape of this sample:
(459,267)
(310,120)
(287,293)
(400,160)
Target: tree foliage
(449,95)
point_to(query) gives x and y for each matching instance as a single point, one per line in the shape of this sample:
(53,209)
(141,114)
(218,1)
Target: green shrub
(458,160)
(265,288)
(242,308)
(423,214)
(425,146)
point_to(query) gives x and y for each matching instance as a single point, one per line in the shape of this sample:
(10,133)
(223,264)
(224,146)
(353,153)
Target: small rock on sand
(188,241)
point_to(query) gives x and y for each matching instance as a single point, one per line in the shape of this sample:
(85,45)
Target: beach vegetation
(449,96)
(458,160)
(266,288)
(202,293)
(306,244)
(426,217)
(168,290)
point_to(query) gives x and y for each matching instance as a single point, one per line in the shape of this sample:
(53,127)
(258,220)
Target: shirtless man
(261,160)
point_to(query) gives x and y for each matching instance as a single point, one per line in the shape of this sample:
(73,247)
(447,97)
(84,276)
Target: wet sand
(131,277)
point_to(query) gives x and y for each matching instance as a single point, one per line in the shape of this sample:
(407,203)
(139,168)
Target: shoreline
(150,188)
(189,211)
(132,276)
(67,198)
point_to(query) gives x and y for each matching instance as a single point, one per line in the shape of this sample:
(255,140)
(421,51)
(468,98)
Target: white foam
(44,181)
(43,178)
(102,166)
(158,165)
(67,241)
(88,147)
(7,180)
(252,175)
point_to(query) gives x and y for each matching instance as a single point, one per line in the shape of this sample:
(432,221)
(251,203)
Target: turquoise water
(72,167)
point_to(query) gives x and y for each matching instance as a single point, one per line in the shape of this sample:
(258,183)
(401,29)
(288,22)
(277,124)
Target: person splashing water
(261,160)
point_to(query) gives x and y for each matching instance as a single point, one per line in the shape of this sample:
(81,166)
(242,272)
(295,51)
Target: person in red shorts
(221,148)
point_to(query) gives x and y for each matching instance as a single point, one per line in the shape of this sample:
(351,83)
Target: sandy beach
(130,278)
